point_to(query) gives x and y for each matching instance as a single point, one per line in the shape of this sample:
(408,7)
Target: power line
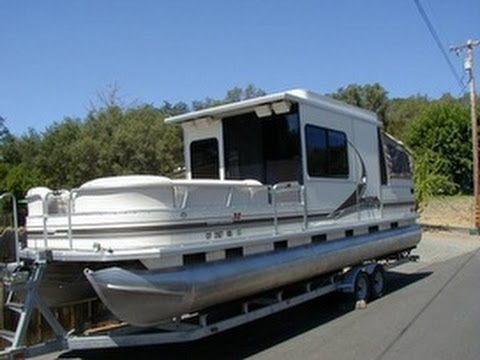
(434,34)
(464,87)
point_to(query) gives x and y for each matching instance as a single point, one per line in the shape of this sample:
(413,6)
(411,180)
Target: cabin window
(327,152)
(381,156)
(398,160)
(204,159)
(266,149)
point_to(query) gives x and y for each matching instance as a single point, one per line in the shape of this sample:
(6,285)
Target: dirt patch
(454,211)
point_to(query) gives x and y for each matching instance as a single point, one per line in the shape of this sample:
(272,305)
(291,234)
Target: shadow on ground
(255,337)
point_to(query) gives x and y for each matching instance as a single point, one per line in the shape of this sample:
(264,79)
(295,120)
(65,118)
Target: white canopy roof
(296,96)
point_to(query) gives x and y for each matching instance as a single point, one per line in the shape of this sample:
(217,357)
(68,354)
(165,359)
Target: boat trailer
(363,282)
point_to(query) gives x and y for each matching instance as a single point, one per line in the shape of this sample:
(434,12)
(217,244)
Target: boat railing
(70,208)
(15,222)
(45,213)
(183,197)
(289,187)
(187,196)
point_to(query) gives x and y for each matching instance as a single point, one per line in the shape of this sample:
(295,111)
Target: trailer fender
(349,278)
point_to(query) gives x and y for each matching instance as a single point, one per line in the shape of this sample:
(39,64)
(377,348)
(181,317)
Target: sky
(57,56)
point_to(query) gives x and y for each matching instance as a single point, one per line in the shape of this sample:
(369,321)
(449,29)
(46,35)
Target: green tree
(116,141)
(169,109)
(440,136)
(251,91)
(113,139)
(235,94)
(238,94)
(371,97)
(144,144)
(429,179)
(96,141)
(55,159)
(401,111)
(205,103)
(17,173)
(19,178)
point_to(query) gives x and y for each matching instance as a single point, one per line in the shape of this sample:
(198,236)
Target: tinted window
(204,159)
(381,155)
(327,152)
(266,149)
(398,161)
(243,147)
(316,151)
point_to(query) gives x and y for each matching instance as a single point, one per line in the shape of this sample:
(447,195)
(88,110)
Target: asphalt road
(431,311)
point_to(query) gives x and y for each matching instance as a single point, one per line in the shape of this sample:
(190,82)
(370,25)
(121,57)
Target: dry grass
(449,211)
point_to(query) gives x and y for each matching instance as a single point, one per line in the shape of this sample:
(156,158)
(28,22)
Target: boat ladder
(22,284)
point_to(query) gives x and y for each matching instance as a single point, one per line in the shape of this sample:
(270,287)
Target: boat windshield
(266,149)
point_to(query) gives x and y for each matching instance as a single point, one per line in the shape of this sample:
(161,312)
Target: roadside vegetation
(449,211)
(115,139)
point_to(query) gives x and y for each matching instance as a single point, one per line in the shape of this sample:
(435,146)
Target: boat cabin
(336,151)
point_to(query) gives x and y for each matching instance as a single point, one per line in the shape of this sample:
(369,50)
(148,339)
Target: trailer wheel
(377,280)
(362,287)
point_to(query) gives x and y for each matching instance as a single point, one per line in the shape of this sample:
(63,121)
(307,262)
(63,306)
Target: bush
(440,138)
(429,181)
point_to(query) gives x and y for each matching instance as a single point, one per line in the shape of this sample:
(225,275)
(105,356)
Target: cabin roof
(300,96)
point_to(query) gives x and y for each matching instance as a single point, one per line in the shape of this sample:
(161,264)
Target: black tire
(362,287)
(377,282)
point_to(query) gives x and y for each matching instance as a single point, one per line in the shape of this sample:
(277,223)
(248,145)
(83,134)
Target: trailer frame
(189,327)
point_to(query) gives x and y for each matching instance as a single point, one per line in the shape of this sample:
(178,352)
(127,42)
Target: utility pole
(468,48)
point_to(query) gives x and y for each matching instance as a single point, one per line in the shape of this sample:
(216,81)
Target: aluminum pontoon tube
(145,298)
